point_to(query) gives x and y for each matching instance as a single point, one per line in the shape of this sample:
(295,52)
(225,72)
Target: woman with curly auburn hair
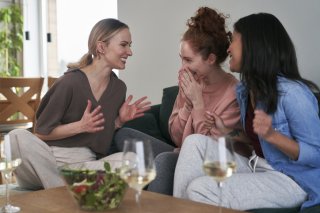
(204,87)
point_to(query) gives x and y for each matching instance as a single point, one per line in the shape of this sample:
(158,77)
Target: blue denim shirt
(296,117)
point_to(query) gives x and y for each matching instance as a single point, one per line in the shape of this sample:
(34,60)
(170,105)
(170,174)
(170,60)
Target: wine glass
(138,167)
(7,165)
(219,161)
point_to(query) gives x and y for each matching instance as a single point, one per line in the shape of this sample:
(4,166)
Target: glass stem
(220,197)
(7,177)
(138,193)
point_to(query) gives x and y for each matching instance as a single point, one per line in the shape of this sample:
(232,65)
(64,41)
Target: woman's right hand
(191,89)
(92,121)
(213,120)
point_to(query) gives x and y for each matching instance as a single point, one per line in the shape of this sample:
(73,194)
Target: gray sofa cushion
(168,99)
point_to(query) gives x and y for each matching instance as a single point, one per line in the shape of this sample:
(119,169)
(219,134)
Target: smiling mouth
(124,60)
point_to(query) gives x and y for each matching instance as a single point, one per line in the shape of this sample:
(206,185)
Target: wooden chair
(19,100)
(51,80)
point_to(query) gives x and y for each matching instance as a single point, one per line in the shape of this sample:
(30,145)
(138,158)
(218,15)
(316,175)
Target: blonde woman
(77,117)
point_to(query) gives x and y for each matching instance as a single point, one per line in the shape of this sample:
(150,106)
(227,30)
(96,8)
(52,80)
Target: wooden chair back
(19,100)
(51,80)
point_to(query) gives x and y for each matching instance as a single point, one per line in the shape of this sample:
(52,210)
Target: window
(75,20)
(67,23)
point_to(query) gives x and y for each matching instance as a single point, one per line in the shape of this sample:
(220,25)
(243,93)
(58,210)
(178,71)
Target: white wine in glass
(138,168)
(219,162)
(7,165)
(219,171)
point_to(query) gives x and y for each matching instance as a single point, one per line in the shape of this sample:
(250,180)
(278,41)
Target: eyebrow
(184,57)
(127,42)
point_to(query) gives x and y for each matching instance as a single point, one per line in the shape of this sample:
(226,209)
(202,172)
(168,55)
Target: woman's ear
(100,47)
(212,58)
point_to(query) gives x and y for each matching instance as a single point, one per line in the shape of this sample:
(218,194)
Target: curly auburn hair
(207,34)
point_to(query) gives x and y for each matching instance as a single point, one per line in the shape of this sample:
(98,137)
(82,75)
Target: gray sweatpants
(40,162)
(245,189)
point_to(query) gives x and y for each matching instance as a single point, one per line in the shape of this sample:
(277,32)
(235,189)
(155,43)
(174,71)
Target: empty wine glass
(138,167)
(7,165)
(219,162)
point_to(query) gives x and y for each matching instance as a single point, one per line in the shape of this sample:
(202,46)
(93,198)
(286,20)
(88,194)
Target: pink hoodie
(218,98)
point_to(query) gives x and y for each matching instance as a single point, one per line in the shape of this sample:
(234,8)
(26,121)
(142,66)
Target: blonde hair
(104,30)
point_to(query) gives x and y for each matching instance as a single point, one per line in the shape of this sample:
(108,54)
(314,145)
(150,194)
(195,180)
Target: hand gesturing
(129,112)
(92,121)
(262,124)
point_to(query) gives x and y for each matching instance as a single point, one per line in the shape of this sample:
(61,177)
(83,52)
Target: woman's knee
(166,160)
(25,143)
(19,136)
(121,136)
(195,143)
(203,189)
(125,133)
(19,132)
(193,140)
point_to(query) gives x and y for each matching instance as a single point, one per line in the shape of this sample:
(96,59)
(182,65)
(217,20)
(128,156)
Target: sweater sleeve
(52,107)
(228,110)
(222,102)
(198,118)
(230,116)
(178,120)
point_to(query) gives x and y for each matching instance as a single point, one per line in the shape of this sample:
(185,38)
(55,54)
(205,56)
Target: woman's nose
(129,52)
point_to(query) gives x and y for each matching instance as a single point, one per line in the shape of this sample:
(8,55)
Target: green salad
(95,189)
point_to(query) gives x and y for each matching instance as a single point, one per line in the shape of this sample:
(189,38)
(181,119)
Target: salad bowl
(96,186)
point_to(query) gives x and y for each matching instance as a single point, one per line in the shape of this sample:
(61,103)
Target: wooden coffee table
(59,200)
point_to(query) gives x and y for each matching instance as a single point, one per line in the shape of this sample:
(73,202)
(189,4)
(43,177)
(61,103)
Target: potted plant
(11,39)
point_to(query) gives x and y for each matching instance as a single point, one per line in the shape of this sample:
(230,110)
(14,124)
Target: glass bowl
(96,186)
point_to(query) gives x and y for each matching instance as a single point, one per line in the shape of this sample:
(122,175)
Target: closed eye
(124,44)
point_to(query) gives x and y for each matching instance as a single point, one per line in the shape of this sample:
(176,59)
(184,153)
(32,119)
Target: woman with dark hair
(279,116)
(77,117)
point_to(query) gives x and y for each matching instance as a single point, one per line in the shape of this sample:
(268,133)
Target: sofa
(155,123)
(155,120)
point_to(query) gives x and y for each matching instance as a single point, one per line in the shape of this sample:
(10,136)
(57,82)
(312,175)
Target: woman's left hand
(129,111)
(262,124)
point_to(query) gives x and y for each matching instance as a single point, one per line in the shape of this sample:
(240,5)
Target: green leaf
(107,166)
(11,39)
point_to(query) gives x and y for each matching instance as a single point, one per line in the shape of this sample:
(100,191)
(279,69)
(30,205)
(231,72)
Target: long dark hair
(267,52)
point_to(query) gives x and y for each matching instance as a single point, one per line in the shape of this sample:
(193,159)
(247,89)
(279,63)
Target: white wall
(157,26)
